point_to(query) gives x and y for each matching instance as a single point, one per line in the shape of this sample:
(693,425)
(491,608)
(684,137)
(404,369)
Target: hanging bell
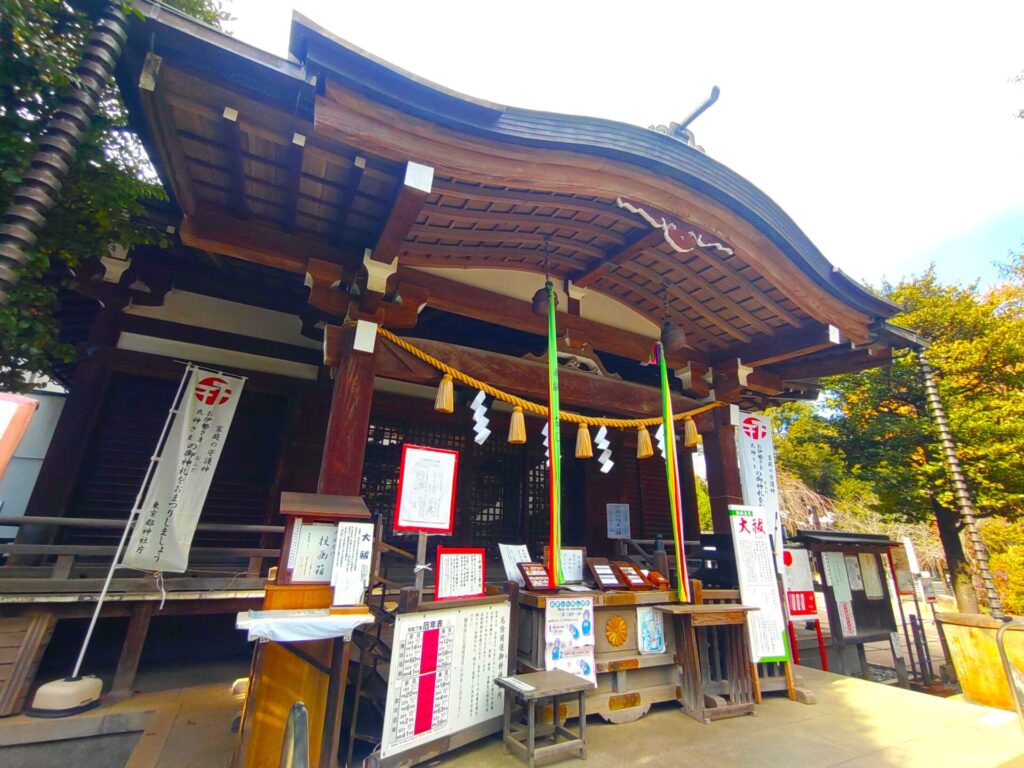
(673,338)
(517,427)
(584,450)
(644,447)
(445,400)
(690,434)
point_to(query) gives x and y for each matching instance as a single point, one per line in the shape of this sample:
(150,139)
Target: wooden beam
(487,257)
(131,651)
(499,236)
(519,218)
(859,360)
(214,229)
(294,171)
(526,378)
(355,175)
(783,346)
(633,246)
(412,194)
(233,147)
(469,301)
(542,200)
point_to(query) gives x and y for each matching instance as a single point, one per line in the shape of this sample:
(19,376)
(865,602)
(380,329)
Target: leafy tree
(804,446)
(881,425)
(101,200)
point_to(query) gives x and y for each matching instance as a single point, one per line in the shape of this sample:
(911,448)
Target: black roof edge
(844,537)
(897,337)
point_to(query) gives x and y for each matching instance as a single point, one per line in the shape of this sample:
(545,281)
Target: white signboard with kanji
(756,452)
(443,667)
(313,558)
(169,512)
(755,568)
(353,554)
(618,520)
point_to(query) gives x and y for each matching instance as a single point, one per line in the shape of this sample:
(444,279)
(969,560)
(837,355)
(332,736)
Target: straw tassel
(583,447)
(445,400)
(644,447)
(690,436)
(517,427)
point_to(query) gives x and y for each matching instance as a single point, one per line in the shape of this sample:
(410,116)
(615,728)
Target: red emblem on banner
(212,390)
(754,429)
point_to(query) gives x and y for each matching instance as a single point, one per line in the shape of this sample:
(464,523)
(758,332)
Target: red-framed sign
(460,573)
(426,490)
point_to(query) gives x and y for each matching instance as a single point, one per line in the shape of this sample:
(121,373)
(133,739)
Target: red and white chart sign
(426,490)
(797,577)
(443,666)
(460,573)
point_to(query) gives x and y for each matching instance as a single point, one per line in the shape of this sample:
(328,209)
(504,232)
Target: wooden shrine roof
(301,164)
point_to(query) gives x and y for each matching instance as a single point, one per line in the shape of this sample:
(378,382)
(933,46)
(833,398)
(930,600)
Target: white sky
(885,130)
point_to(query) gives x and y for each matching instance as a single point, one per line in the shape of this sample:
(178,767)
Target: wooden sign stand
(314,508)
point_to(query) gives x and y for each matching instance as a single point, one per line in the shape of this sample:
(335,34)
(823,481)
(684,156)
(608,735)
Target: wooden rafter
(535,199)
(632,247)
(355,175)
(499,236)
(697,281)
(233,147)
(815,368)
(412,194)
(784,346)
(529,259)
(517,218)
(294,175)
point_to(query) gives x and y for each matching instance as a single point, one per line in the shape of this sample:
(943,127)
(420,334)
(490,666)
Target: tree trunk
(959,570)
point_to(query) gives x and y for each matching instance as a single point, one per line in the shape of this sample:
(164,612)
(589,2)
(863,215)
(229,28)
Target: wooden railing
(64,570)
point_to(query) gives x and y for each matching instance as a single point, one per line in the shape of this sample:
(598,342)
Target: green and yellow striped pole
(554,448)
(675,498)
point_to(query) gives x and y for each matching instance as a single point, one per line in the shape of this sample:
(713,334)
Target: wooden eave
(311,169)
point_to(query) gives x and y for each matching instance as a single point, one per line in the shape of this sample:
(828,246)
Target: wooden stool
(702,697)
(538,686)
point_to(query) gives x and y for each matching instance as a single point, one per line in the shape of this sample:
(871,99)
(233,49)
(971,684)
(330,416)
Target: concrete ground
(854,723)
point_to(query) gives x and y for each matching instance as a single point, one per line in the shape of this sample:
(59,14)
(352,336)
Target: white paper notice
(835,575)
(569,636)
(314,557)
(443,667)
(459,574)
(871,576)
(511,555)
(853,572)
(618,520)
(650,630)
(572,564)
(353,553)
(426,490)
(755,567)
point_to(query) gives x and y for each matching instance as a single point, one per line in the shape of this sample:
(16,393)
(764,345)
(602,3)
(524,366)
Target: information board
(618,520)
(443,667)
(799,582)
(837,577)
(426,490)
(755,567)
(460,573)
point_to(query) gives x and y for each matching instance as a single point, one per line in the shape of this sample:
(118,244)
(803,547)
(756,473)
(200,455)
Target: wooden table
(713,655)
(539,686)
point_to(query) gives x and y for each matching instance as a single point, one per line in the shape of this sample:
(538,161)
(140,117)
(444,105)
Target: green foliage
(99,205)
(1005,542)
(704,505)
(803,445)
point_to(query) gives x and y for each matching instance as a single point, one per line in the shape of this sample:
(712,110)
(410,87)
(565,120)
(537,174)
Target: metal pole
(924,653)
(131,519)
(41,183)
(963,498)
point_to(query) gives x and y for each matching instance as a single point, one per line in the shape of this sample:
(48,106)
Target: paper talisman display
(535,576)
(460,573)
(353,556)
(511,556)
(169,512)
(443,667)
(799,582)
(604,575)
(426,490)
(755,568)
(569,636)
(630,575)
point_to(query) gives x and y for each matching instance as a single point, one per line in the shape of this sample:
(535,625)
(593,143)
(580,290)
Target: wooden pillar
(341,471)
(722,468)
(688,488)
(131,651)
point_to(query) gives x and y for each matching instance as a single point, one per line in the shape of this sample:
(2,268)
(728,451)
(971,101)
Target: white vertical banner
(169,512)
(758,585)
(755,449)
